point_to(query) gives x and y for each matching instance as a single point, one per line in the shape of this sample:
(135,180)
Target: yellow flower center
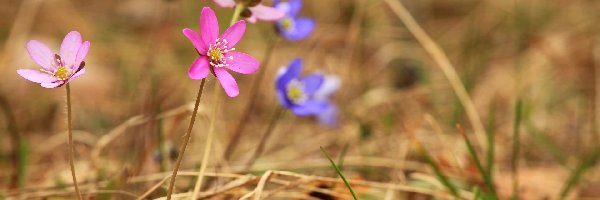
(295,92)
(287,23)
(215,54)
(61,73)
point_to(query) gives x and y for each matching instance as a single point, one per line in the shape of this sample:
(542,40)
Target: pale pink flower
(259,12)
(57,69)
(217,53)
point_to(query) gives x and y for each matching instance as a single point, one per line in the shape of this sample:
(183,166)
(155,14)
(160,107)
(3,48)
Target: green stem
(71,148)
(516,148)
(236,13)
(186,140)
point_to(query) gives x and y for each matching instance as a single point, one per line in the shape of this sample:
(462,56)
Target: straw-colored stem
(209,139)
(443,62)
(186,140)
(71,146)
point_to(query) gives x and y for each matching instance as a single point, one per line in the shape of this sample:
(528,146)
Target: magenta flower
(217,53)
(57,70)
(260,12)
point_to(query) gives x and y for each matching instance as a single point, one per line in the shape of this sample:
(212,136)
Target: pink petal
(199,68)
(70,47)
(195,39)
(77,74)
(252,19)
(225,3)
(41,54)
(81,53)
(227,82)
(242,63)
(52,84)
(234,33)
(267,13)
(209,26)
(36,76)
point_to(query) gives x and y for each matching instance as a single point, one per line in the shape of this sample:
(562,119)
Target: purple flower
(260,12)
(308,95)
(291,26)
(217,53)
(57,69)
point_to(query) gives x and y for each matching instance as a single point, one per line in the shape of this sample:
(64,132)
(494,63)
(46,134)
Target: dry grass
(410,72)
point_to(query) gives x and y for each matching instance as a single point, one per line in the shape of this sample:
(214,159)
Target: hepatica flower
(216,54)
(291,26)
(256,12)
(57,69)
(308,95)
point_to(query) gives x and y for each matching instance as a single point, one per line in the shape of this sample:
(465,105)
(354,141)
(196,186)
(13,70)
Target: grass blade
(438,172)
(486,176)
(339,173)
(491,140)
(516,148)
(576,175)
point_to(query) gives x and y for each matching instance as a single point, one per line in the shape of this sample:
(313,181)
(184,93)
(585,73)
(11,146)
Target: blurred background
(133,105)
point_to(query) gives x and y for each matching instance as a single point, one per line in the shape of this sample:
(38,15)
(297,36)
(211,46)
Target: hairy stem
(211,129)
(186,140)
(71,146)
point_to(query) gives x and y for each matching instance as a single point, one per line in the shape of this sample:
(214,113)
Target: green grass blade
(516,148)
(491,140)
(486,177)
(576,175)
(339,173)
(438,172)
(342,156)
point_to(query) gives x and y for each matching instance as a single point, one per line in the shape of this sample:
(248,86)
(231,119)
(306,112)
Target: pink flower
(57,70)
(261,12)
(217,53)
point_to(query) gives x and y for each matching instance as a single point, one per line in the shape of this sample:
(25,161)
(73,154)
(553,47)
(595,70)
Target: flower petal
(292,72)
(225,3)
(53,84)
(70,47)
(209,26)
(328,116)
(283,99)
(310,107)
(266,13)
(77,74)
(196,40)
(291,8)
(234,33)
(330,85)
(303,27)
(312,83)
(227,82)
(81,53)
(36,76)
(199,68)
(295,6)
(242,63)
(41,54)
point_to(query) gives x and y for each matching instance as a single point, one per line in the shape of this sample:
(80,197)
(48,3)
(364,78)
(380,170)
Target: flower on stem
(57,69)
(308,95)
(291,26)
(255,10)
(216,54)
